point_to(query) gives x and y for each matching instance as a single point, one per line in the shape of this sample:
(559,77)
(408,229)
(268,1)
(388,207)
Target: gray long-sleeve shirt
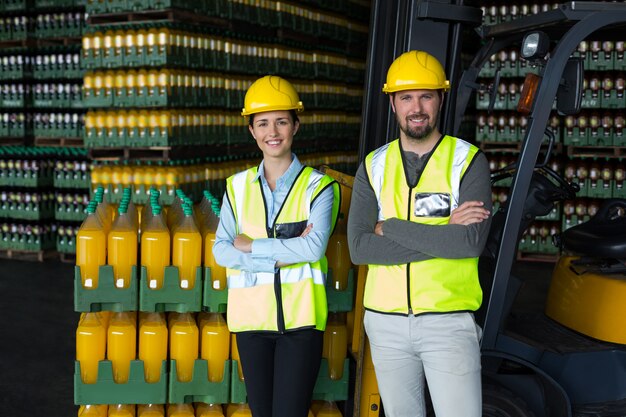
(405,241)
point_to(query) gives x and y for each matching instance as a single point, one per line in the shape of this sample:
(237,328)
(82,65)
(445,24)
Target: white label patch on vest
(432,205)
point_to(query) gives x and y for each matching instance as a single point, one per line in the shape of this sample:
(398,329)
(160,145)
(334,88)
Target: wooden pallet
(154,153)
(168,15)
(596,151)
(537,257)
(21,255)
(512,147)
(67,258)
(51,141)
(17,140)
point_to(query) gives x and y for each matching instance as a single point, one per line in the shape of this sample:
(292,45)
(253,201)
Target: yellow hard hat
(271,93)
(416,70)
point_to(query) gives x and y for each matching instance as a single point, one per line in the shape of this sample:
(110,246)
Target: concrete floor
(38,326)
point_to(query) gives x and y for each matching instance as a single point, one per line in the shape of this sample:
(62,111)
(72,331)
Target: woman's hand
(243,243)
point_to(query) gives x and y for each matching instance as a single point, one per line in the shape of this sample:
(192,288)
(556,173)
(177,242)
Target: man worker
(419,218)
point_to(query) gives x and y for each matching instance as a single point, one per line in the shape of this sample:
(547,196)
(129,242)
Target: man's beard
(416,133)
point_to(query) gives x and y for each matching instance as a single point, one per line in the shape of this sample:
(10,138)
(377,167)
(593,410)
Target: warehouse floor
(39,324)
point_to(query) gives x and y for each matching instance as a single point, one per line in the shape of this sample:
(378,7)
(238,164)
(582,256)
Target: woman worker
(275,222)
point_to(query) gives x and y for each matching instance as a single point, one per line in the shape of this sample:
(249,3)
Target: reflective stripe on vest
(434,285)
(253,298)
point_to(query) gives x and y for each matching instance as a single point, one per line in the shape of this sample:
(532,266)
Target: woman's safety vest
(294,297)
(434,285)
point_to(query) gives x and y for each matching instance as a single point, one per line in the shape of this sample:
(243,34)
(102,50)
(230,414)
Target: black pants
(280,371)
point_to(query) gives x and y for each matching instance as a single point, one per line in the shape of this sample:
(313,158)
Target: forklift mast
(397,26)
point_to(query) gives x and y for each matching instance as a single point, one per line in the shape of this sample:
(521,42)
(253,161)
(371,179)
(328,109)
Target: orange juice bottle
(122,410)
(329,410)
(335,344)
(91,244)
(152,344)
(316,405)
(214,343)
(155,249)
(150,410)
(339,257)
(234,354)
(211,221)
(90,345)
(238,410)
(105,210)
(187,249)
(175,211)
(184,345)
(122,248)
(209,410)
(132,208)
(180,410)
(122,344)
(127,177)
(93,410)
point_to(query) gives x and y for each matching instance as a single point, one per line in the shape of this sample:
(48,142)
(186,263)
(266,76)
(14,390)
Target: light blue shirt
(267,251)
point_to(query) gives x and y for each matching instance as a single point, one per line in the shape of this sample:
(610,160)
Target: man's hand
(468,213)
(378,229)
(243,243)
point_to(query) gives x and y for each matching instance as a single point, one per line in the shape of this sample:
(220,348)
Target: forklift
(533,365)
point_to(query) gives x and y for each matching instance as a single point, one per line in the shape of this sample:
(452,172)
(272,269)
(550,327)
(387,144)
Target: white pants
(443,348)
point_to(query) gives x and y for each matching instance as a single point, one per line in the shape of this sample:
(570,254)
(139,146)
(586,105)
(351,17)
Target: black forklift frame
(570,23)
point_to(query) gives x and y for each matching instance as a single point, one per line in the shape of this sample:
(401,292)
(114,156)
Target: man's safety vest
(433,285)
(294,297)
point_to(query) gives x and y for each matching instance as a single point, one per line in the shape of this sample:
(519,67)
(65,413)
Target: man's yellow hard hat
(416,70)
(271,93)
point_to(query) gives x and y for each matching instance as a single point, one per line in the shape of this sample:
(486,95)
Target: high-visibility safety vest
(433,285)
(294,297)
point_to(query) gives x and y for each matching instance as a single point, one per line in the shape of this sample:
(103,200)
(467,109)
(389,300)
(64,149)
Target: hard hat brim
(299,108)
(404,87)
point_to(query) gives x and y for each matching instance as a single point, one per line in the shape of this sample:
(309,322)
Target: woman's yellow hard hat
(271,93)
(416,70)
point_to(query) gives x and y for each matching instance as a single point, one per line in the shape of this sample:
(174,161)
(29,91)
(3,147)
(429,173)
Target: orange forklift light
(527,96)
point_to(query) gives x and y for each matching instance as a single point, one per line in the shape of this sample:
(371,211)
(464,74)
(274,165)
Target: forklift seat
(604,236)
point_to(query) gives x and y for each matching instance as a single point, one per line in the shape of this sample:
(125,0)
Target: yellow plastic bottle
(122,410)
(122,248)
(214,343)
(234,354)
(106,211)
(122,344)
(184,337)
(180,410)
(175,212)
(209,410)
(139,179)
(150,410)
(339,257)
(316,405)
(238,410)
(155,248)
(93,410)
(152,344)
(187,249)
(90,345)
(335,344)
(329,410)
(91,243)
(211,221)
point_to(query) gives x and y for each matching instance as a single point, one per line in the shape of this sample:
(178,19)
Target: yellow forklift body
(589,303)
